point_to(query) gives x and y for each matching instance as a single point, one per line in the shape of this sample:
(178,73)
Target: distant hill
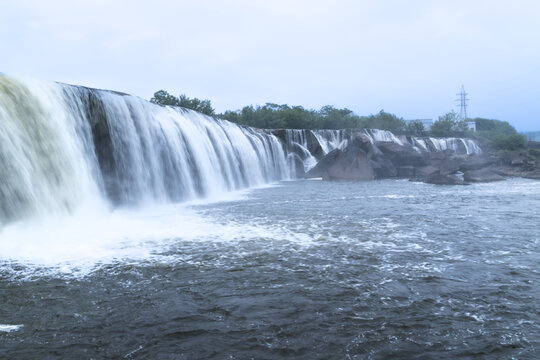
(532,135)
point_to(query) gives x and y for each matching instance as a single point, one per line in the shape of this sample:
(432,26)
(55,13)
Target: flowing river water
(299,269)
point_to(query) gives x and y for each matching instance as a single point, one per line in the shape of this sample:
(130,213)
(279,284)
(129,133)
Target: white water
(10,328)
(89,239)
(46,165)
(52,164)
(92,176)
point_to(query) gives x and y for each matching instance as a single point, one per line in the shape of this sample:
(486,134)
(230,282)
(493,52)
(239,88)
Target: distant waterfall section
(63,147)
(305,147)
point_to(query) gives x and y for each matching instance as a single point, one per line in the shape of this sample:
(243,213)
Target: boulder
(441,179)
(533,174)
(382,166)
(449,164)
(482,175)
(321,169)
(351,163)
(426,171)
(506,170)
(362,141)
(402,155)
(475,162)
(406,172)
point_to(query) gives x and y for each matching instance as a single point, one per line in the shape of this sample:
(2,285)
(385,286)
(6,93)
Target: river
(297,269)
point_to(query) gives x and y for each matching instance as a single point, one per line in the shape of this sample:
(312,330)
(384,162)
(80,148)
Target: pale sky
(409,58)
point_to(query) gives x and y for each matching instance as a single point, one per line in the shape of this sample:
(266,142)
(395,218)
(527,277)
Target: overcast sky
(406,57)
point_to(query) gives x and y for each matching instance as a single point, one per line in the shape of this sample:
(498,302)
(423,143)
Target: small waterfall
(332,139)
(382,135)
(459,145)
(310,145)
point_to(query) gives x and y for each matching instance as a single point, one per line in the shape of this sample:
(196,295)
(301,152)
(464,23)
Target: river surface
(300,270)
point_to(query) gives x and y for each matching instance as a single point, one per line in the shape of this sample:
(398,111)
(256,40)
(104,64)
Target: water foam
(9,328)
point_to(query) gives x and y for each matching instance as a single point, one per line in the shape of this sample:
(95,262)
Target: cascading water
(311,145)
(62,146)
(46,159)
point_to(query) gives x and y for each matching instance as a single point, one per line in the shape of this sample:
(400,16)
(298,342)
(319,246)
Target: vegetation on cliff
(496,134)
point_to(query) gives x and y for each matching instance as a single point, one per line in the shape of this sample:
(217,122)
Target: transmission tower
(462,98)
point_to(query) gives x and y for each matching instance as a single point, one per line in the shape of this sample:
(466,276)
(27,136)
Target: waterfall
(311,145)
(64,146)
(382,135)
(47,163)
(459,145)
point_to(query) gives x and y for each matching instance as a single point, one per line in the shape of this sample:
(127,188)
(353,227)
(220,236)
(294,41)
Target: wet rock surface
(363,159)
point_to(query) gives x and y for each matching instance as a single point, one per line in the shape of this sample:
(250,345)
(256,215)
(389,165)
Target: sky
(409,58)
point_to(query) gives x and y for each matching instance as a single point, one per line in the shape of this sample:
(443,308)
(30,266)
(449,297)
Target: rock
(475,162)
(534,174)
(351,164)
(482,175)
(440,179)
(506,170)
(406,172)
(321,169)
(517,162)
(402,155)
(382,166)
(362,141)
(449,165)
(426,171)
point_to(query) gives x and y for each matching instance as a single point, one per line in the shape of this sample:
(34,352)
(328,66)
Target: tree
(162,97)
(449,125)
(386,121)
(202,106)
(416,128)
(510,142)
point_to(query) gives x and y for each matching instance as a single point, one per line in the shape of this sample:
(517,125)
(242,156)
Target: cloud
(408,57)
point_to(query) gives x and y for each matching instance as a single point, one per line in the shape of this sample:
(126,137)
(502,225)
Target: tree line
(494,133)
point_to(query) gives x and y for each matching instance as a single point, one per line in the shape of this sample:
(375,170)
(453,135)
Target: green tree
(202,106)
(162,97)
(416,128)
(511,142)
(386,121)
(449,125)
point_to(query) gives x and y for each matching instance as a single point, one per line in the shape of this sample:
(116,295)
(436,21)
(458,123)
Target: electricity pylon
(462,98)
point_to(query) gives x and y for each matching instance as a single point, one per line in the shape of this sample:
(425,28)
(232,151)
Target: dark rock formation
(441,179)
(482,175)
(402,155)
(351,163)
(475,162)
(363,160)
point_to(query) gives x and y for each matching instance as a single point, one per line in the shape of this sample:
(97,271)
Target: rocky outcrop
(351,163)
(441,179)
(364,159)
(481,175)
